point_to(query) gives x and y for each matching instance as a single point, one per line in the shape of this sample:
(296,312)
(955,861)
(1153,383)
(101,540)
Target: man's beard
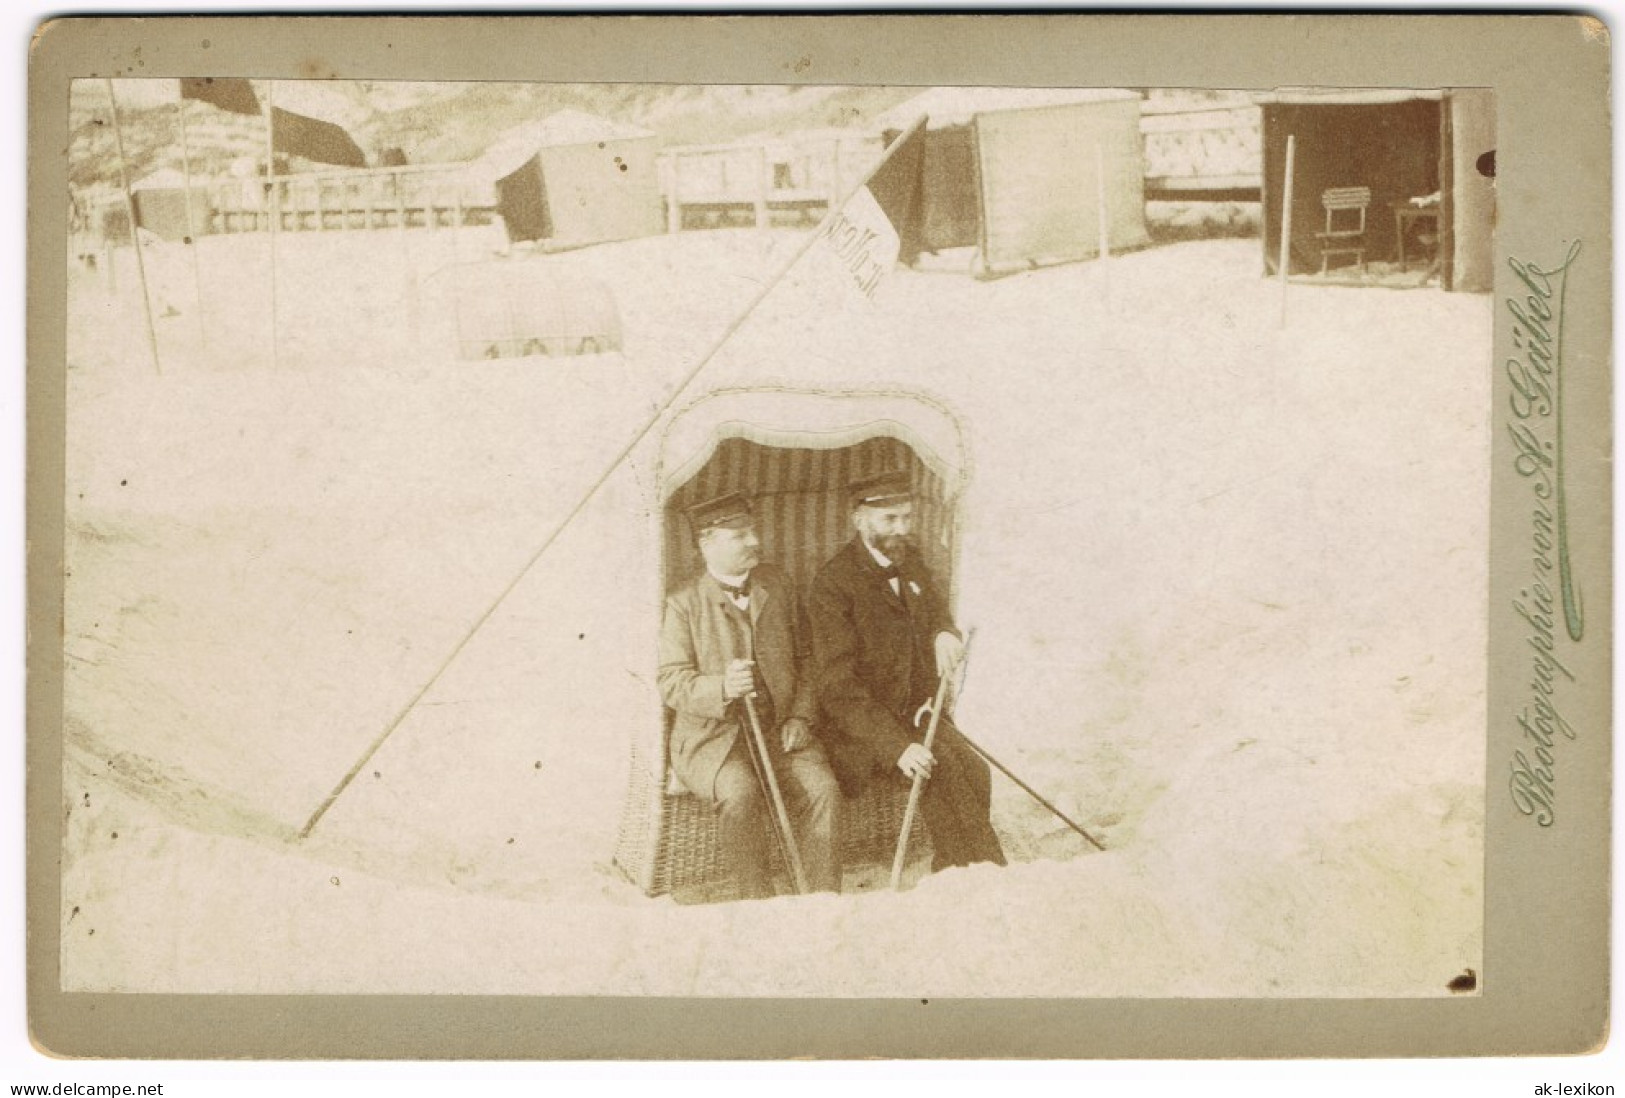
(897,547)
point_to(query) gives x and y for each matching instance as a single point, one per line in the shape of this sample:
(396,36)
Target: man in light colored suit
(735,632)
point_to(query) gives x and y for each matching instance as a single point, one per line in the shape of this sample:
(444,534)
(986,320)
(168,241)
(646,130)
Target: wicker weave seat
(673,846)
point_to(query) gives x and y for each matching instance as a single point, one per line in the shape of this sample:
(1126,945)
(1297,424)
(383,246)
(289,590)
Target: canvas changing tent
(575,179)
(518,308)
(1013,171)
(1402,144)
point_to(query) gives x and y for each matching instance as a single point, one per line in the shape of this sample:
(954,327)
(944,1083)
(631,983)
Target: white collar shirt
(885,562)
(741,601)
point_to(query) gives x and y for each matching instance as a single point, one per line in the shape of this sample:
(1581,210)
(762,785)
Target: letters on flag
(880,222)
(863,240)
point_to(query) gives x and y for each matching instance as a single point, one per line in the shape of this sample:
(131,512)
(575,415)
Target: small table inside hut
(1405,215)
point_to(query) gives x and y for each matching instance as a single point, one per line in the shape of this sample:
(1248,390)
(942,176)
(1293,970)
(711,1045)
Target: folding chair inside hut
(1345,225)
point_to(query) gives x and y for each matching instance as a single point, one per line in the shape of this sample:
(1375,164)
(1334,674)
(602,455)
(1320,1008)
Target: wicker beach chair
(794,453)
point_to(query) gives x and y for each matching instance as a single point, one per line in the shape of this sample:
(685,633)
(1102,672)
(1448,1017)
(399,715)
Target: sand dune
(1228,582)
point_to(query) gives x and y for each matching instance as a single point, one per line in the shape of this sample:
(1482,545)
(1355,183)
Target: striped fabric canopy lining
(801,504)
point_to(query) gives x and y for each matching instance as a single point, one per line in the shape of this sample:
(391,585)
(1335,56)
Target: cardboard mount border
(1546,937)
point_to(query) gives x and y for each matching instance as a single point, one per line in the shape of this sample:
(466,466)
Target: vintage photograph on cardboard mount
(383,647)
(824,541)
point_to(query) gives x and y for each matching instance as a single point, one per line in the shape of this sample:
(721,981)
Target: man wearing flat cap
(881,637)
(731,633)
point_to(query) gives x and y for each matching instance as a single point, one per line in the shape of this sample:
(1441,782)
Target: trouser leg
(956,802)
(813,800)
(743,823)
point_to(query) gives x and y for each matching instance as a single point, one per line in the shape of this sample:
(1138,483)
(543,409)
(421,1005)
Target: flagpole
(1105,247)
(135,232)
(275,199)
(1286,227)
(414,303)
(682,386)
(192,241)
(759,199)
(456,217)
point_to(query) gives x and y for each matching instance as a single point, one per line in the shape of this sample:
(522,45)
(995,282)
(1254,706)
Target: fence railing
(427,197)
(760,182)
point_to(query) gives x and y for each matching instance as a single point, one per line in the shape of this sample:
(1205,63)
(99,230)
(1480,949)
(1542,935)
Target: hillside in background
(438,123)
(442,122)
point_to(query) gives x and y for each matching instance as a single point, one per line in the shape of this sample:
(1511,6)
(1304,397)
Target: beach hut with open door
(575,179)
(1019,173)
(794,452)
(1417,156)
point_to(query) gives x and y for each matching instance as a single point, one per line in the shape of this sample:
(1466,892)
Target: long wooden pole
(761,186)
(949,674)
(1103,244)
(592,490)
(456,225)
(1101,223)
(135,231)
(674,200)
(1286,224)
(193,243)
(275,206)
(413,305)
(781,817)
(1027,789)
(918,786)
(834,171)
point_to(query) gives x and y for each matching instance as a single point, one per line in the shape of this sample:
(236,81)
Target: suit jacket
(701,632)
(874,657)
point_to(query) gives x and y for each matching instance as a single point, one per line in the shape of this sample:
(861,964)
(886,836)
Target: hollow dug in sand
(1227,582)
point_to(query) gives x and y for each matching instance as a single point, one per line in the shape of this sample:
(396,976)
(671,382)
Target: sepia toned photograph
(757,541)
(557,515)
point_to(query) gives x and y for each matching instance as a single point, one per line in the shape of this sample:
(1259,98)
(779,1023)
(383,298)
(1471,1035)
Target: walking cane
(934,708)
(1005,770)
(781,817)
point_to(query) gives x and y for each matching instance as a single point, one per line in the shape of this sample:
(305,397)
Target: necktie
(893,579)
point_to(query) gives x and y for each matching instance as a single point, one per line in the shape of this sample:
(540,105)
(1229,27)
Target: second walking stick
(781,817)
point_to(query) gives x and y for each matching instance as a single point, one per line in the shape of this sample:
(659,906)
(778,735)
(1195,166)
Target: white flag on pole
(862,239)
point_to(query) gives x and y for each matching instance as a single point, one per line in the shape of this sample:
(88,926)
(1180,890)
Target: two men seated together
(834,688)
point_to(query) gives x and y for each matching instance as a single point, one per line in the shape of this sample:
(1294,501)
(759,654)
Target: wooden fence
(421,197)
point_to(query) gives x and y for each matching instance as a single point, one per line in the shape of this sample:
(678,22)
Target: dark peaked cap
(732,511)
(882,489)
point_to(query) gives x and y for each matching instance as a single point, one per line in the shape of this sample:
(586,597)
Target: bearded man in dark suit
(881,637)
(735,632)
